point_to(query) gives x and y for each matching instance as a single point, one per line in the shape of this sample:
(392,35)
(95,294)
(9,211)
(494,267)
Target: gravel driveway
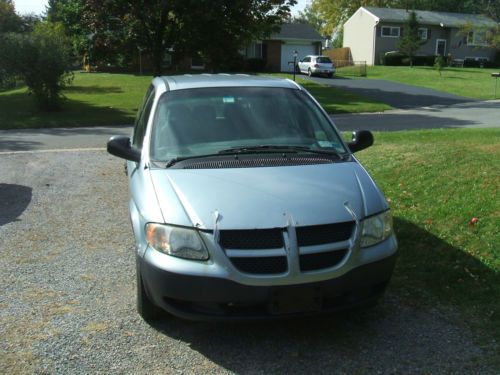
(68,297)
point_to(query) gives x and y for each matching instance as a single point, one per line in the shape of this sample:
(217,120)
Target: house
(278,50)
(371,32)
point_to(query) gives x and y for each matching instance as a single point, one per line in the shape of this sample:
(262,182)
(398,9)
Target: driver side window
(142,119)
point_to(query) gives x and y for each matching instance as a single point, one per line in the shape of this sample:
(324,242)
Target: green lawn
(469,82)
(92,99)
(436,182)
(112,99)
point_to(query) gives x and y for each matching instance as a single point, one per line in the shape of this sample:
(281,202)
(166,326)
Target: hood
(256,198)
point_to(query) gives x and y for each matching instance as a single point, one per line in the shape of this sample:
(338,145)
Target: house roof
(297,31)
(432,18)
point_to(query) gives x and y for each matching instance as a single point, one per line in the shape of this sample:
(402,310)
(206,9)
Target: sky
(38,6)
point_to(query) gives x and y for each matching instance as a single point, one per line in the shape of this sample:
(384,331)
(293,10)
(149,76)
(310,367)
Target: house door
(441,47)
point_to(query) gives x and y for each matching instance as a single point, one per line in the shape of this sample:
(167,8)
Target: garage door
(287,54)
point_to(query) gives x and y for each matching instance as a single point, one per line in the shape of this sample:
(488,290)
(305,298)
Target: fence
(350,68)
(342,59)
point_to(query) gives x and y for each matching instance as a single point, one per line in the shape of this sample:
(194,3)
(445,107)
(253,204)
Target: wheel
(309,73)
(145,307)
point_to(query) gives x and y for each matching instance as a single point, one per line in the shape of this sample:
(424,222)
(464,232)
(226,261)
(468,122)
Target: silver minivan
(245,202)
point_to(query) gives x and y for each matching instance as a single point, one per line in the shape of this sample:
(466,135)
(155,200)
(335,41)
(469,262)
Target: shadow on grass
(397,95)
(93,90)
(18,111)
(428,270)
(397,121)
(14,199)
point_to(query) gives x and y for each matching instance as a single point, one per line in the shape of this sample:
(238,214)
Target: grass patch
(112,99)
(334,100)
(436,182)
(93,99)
(468,82)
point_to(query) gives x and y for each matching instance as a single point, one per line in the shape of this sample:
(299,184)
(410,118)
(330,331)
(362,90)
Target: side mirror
(361,139)
(120,146)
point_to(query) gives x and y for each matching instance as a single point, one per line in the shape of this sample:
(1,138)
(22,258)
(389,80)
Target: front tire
(145,307)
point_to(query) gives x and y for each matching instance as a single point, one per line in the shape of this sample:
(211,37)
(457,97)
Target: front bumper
(203,297)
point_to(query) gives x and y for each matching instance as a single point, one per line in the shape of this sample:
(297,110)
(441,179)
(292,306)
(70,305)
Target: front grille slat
(261,265)
(252,239)
(318,261)
(323,234)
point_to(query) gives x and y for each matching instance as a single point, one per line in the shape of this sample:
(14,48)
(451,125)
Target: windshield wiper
(177,159)
(257,149)
(278,148)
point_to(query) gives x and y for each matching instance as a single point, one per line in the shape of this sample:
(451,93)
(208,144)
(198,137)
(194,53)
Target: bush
(479,63)
(7,81)
(394,58)
(254,65)
(42,59)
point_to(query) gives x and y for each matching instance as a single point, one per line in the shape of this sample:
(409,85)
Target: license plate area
(296,300)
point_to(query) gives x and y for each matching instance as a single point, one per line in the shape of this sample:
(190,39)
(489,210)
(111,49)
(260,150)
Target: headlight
(175,241)
(376,229)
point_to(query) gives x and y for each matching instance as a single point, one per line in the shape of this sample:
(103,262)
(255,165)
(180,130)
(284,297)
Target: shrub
(394,58)
(42,58)
(7,80)
(255,65)
(439,63)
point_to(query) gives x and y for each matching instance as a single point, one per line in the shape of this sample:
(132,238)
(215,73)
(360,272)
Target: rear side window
(142,119)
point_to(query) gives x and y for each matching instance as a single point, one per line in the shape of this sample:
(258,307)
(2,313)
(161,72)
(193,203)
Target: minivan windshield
(206,121)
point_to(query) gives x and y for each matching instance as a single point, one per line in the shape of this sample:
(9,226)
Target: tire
(145,307)
(309,73)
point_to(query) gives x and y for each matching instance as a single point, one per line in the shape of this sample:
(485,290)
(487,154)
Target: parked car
(316,65)
(245,202)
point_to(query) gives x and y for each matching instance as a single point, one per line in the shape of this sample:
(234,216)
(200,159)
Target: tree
(411,41)
(312,17)
(218,29)
(42,59)
(9,20)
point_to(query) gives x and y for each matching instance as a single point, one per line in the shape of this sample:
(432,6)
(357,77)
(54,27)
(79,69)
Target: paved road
(474,114)
(395,94)
(465,115)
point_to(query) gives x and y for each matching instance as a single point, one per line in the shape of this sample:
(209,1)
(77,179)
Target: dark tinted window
(142,121)
(323,60)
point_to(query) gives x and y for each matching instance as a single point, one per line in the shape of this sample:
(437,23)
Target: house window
(477,38)
(422,33)
(390,32)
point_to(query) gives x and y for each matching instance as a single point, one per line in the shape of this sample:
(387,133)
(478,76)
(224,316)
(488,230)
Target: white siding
(359,36)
